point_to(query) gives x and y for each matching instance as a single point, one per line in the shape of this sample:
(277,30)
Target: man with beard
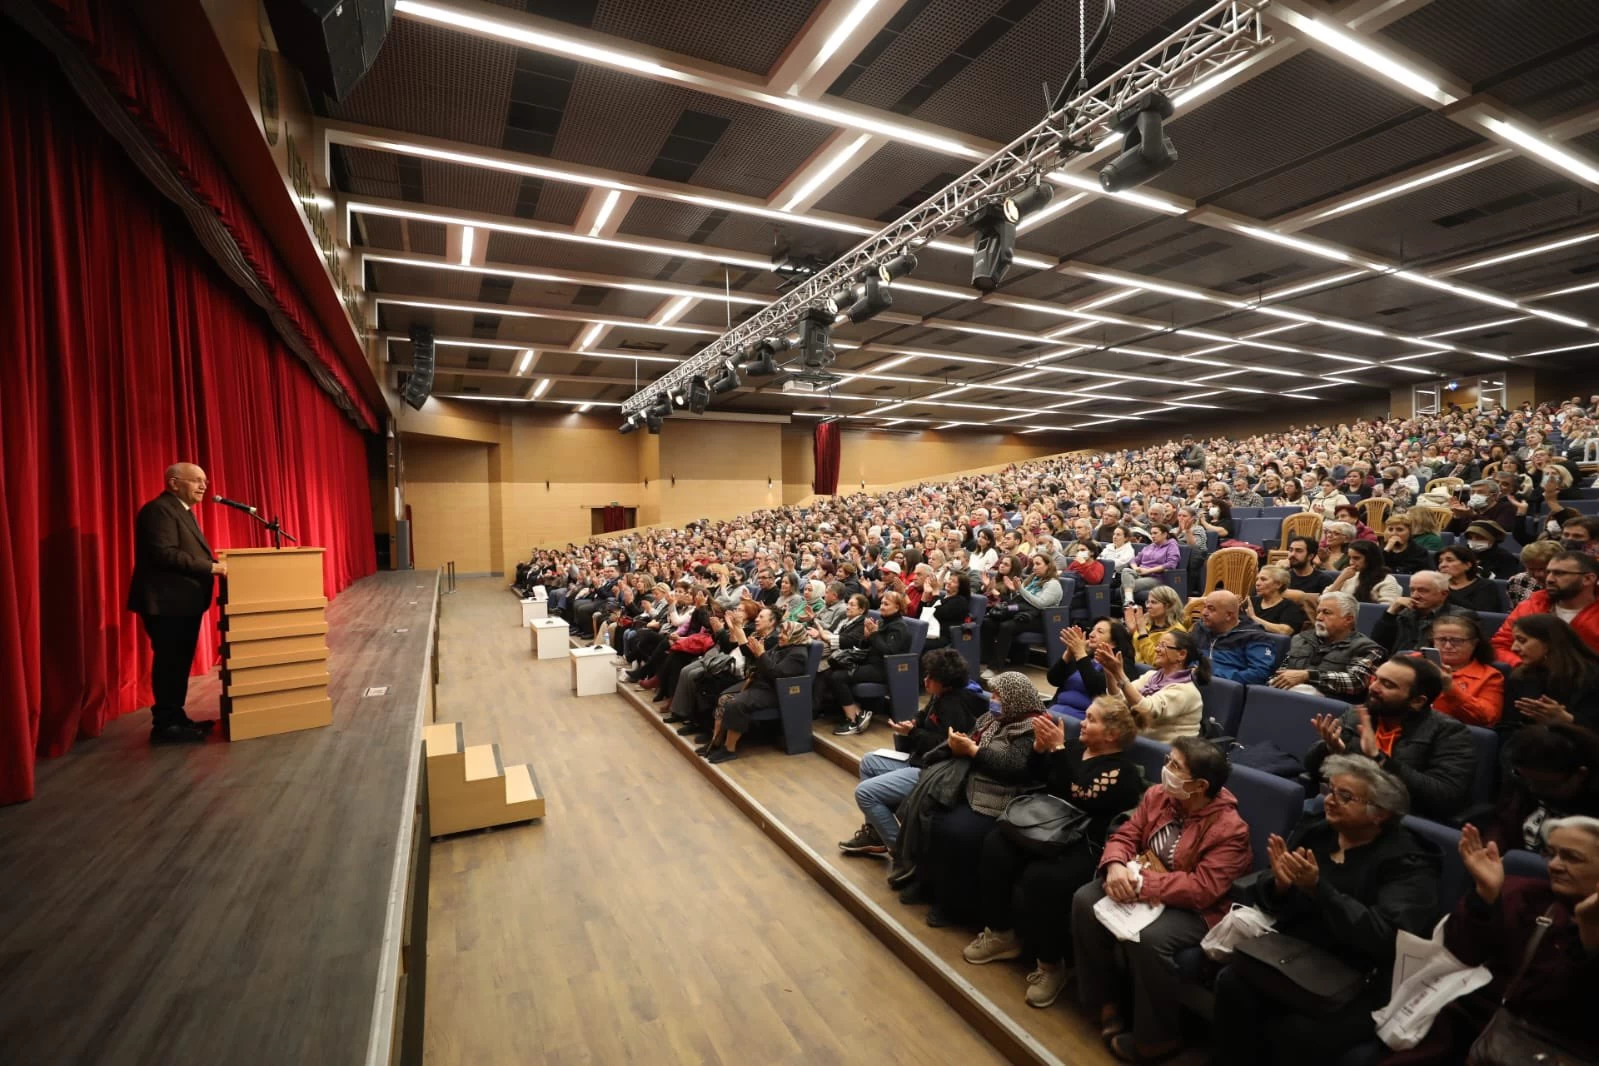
(1569,593)
(1333,659)
(1397,728)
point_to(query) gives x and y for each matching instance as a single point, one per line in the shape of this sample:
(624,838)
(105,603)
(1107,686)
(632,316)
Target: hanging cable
(1085,55)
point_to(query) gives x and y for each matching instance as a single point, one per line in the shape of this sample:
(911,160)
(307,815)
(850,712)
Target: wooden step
(471,787)
(445,738)
(483,761)
(310,714)
(276,679)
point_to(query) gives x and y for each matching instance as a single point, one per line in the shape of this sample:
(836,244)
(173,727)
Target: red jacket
(1092,572)
(1586,624)
(1212,852)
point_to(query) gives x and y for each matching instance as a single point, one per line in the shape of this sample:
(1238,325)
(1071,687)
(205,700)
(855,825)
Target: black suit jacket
(171,561)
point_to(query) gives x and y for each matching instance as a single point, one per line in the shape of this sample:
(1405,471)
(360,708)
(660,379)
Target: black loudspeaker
(419,386)
(332,42)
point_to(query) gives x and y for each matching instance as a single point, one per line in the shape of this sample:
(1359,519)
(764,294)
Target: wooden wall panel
(449,491)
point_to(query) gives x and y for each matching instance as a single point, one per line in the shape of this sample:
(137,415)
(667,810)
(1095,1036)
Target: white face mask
(1478,501)
(1479,545)
(1173,784)
(1215,512)
(1552,527)
(1082,556)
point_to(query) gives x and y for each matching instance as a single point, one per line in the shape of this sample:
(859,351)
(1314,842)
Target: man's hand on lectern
(220,568)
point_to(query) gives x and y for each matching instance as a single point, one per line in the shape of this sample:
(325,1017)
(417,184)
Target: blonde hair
(1121,721)
(1167,595)
(1279,575)
(1426,519)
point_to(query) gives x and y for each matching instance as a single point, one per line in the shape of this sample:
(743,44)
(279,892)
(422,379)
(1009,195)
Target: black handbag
(1042,824)
(1512,1041)
(1300,976)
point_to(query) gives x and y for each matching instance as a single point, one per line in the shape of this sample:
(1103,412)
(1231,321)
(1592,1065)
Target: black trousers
(1032,895)
(949,869)
(1000,633)
(173,638)
(1254,1028)
(838,682)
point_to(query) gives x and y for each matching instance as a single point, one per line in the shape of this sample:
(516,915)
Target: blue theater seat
(794,705)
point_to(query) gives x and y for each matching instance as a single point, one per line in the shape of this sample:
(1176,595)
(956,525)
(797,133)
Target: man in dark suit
(174,572)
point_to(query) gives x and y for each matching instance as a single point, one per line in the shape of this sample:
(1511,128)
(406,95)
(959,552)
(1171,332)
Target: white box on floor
(549,638)
(593,670)
(540,593)
(533,609)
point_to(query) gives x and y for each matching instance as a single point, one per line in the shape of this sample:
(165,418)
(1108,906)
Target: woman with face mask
(1183,847)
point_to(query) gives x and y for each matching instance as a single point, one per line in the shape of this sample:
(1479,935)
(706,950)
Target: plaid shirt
(1343,668)
(1520,586)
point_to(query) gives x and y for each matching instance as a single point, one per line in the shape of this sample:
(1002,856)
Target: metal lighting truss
(1220,37)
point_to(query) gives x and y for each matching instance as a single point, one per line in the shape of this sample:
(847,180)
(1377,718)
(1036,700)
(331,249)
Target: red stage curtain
(123,349)
(826,445)
(614,518)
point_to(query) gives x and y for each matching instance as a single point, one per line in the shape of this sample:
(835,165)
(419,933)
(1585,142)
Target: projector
(809,382)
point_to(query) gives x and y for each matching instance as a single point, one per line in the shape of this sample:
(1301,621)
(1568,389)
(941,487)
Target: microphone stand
(275,528)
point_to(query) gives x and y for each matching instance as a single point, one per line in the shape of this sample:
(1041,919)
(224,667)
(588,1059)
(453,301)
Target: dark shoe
(937,918)
(914,894)
(707,748)
(864,842)
(846,728)
(1123,1047)
(862,720)
(687,730)
(671,719)
(721,755)
(661,697)
(204,725)
(176,733)
(701,737)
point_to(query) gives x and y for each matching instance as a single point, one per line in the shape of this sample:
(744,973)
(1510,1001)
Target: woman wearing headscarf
(788,656)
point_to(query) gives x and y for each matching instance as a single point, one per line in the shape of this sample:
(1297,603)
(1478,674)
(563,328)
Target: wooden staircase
(471,788)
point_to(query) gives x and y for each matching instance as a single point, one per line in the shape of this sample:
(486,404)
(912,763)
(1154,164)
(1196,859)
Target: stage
(240,902)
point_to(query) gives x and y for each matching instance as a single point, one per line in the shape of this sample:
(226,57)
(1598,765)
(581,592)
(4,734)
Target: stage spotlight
(1147,152)
(727,380)
(897,267)
(871,297)
(631,423)
(699,394)
(816,335)
(994,242)
(761,362)
(652,422)
(660,408)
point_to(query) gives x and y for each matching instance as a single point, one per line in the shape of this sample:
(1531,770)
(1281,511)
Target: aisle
(645,920)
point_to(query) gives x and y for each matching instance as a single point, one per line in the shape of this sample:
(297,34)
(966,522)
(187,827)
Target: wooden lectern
(274,642)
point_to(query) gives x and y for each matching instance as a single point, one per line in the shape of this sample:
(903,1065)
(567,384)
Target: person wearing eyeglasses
(1167,697)
(1494,924)
(1347,881)
(174,575)
(1569,593)
(1474,689)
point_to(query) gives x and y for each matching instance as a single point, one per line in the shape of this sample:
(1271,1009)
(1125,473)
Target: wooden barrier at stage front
(274,642)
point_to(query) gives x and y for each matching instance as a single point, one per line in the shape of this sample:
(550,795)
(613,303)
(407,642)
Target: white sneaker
(862,720)
(992,947)
(1044,986)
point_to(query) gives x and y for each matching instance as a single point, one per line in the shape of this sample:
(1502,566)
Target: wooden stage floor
(217,903)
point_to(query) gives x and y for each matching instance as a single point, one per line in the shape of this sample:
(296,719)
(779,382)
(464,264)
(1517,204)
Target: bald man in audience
(1238,648)
(174,576)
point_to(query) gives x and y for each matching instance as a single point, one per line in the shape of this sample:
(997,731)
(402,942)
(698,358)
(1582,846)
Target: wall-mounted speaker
(419,386)
(331,42)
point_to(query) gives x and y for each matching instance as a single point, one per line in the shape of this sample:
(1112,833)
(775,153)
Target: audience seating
(794,708)
(1522,863)
(1280,644)
(1503,585)
(1366,617)
(1223,704)
(904,676)
(1055,619)
(1453,880)
(1492,621)
(1259,530)
(1283,718)
(1485,785)
(1232,569)
(1269,804)
(1150,755)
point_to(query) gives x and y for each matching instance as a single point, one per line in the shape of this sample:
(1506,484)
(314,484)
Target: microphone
(235,504)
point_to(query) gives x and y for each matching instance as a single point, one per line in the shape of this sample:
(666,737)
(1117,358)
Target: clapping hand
(1110,661)
(870,626)
(1075,640)
(1482,863)
(1276,852)
(1368,733)
(1543,710)
(1133,617)
(1301,868)
(1048,734)
(1331,730)
(961,744)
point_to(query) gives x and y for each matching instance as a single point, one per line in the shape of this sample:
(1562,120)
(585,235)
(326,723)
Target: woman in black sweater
(771,652)
(1093,773)
(951,607)
(878,639)
(1469,587)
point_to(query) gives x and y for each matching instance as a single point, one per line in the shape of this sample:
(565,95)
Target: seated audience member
(691,697)
(1350,514)
(1347,882)
(1326,499)
(1474,689)
(833,608)
(1020,611)
(788,656)
(1569,593)
(1154,559)
(986,556)
(1402,554)
(728,589)
(1161,612)
(1167,697)
(1238,649)
(1332,659)
(1366,577)
(1119,550)
(1333,551)
(1407,623)
(1020,892)
(1535,559)
(1430,752)
(1242,495)
(1494,924)
(951,607)
(1469,587)
(766,590)
(997,748)
(1580,533)
(1484,504)
(1270,607)
(1554,773)
(1426,525)
(877,640)
(1190,845)
(1086,564)
(1077,675)
(1306,580)
(885,782)
(1556,678)
(1487,540)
